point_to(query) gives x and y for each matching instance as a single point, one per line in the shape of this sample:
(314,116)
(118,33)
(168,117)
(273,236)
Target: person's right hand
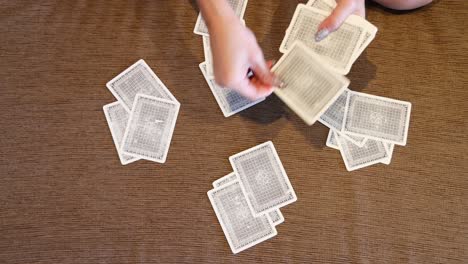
(343,10)
(236,51)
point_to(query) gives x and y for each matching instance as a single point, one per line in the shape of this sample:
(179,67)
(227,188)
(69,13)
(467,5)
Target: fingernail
(280,84)
(319,36)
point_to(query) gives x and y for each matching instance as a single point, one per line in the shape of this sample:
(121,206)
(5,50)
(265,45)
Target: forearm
(215,11)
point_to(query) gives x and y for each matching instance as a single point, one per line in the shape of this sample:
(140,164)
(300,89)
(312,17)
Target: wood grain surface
(65,198)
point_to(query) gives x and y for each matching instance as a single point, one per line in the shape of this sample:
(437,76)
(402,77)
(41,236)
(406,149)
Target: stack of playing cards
(247,201)
(142,121)
(340,49)
(313,71)
(230,102)
(365,128)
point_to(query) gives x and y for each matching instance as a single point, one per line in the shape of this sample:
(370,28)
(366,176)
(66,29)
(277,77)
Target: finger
(253,89)
(335,19)
(261,69)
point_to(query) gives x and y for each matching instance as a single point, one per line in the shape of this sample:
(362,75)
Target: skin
(236,51)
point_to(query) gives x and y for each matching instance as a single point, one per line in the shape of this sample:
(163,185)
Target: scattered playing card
(230,101)
(275,216)
(117,118)
(331,140)
(263,178)
(150,128)
(208,56)
(138,79)
(333,116)
(377,118)
(241,228)
(338,49)
(389,148)
(359,157)
(311,87)
(238,6)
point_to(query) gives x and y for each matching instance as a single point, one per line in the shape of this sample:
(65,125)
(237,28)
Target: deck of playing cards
(340,49)
(142,121)
(247,201)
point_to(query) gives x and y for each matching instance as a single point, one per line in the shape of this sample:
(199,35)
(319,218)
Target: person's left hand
(343,10)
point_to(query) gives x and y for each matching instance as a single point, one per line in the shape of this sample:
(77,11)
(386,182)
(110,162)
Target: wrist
(216,12)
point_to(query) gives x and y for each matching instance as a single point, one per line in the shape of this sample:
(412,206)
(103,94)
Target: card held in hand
(311,87)
(241,228)
(263,178)
(338,49)
(150,128)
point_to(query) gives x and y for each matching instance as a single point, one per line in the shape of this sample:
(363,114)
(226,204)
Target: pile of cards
(247,201)
(340,49)
(313,71)
(230,102)
(365,128)
(142,120)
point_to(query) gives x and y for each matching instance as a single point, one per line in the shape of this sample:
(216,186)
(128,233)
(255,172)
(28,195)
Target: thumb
(342,11)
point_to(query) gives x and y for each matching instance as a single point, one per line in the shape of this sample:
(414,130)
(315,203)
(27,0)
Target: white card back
(331,140)
(238,6)
(333,116)
(150,128)
(117,118)
(355,157)
(241,228)
(275,216)
(337,49)
(138,79)
(311,87)
(263,178)
(377,118)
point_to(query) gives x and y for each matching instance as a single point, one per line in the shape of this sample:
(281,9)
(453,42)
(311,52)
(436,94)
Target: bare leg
(403,4)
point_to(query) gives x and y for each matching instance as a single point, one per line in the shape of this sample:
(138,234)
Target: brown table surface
(65,198)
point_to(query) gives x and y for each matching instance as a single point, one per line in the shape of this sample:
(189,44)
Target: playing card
(150,128)
(208,56)
(225,180)
(311,87)
(331,140)
(138,78)
(117,118)
(333,116)
(263,178)
(238,6)
(241,228)
(325,5)
(337,49)
(357,140)
(230,101)
(370,30)
(356,157)
(389,148)
(377,118)
(275,216)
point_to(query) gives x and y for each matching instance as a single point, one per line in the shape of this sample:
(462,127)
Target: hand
(343,10)
(235,51)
